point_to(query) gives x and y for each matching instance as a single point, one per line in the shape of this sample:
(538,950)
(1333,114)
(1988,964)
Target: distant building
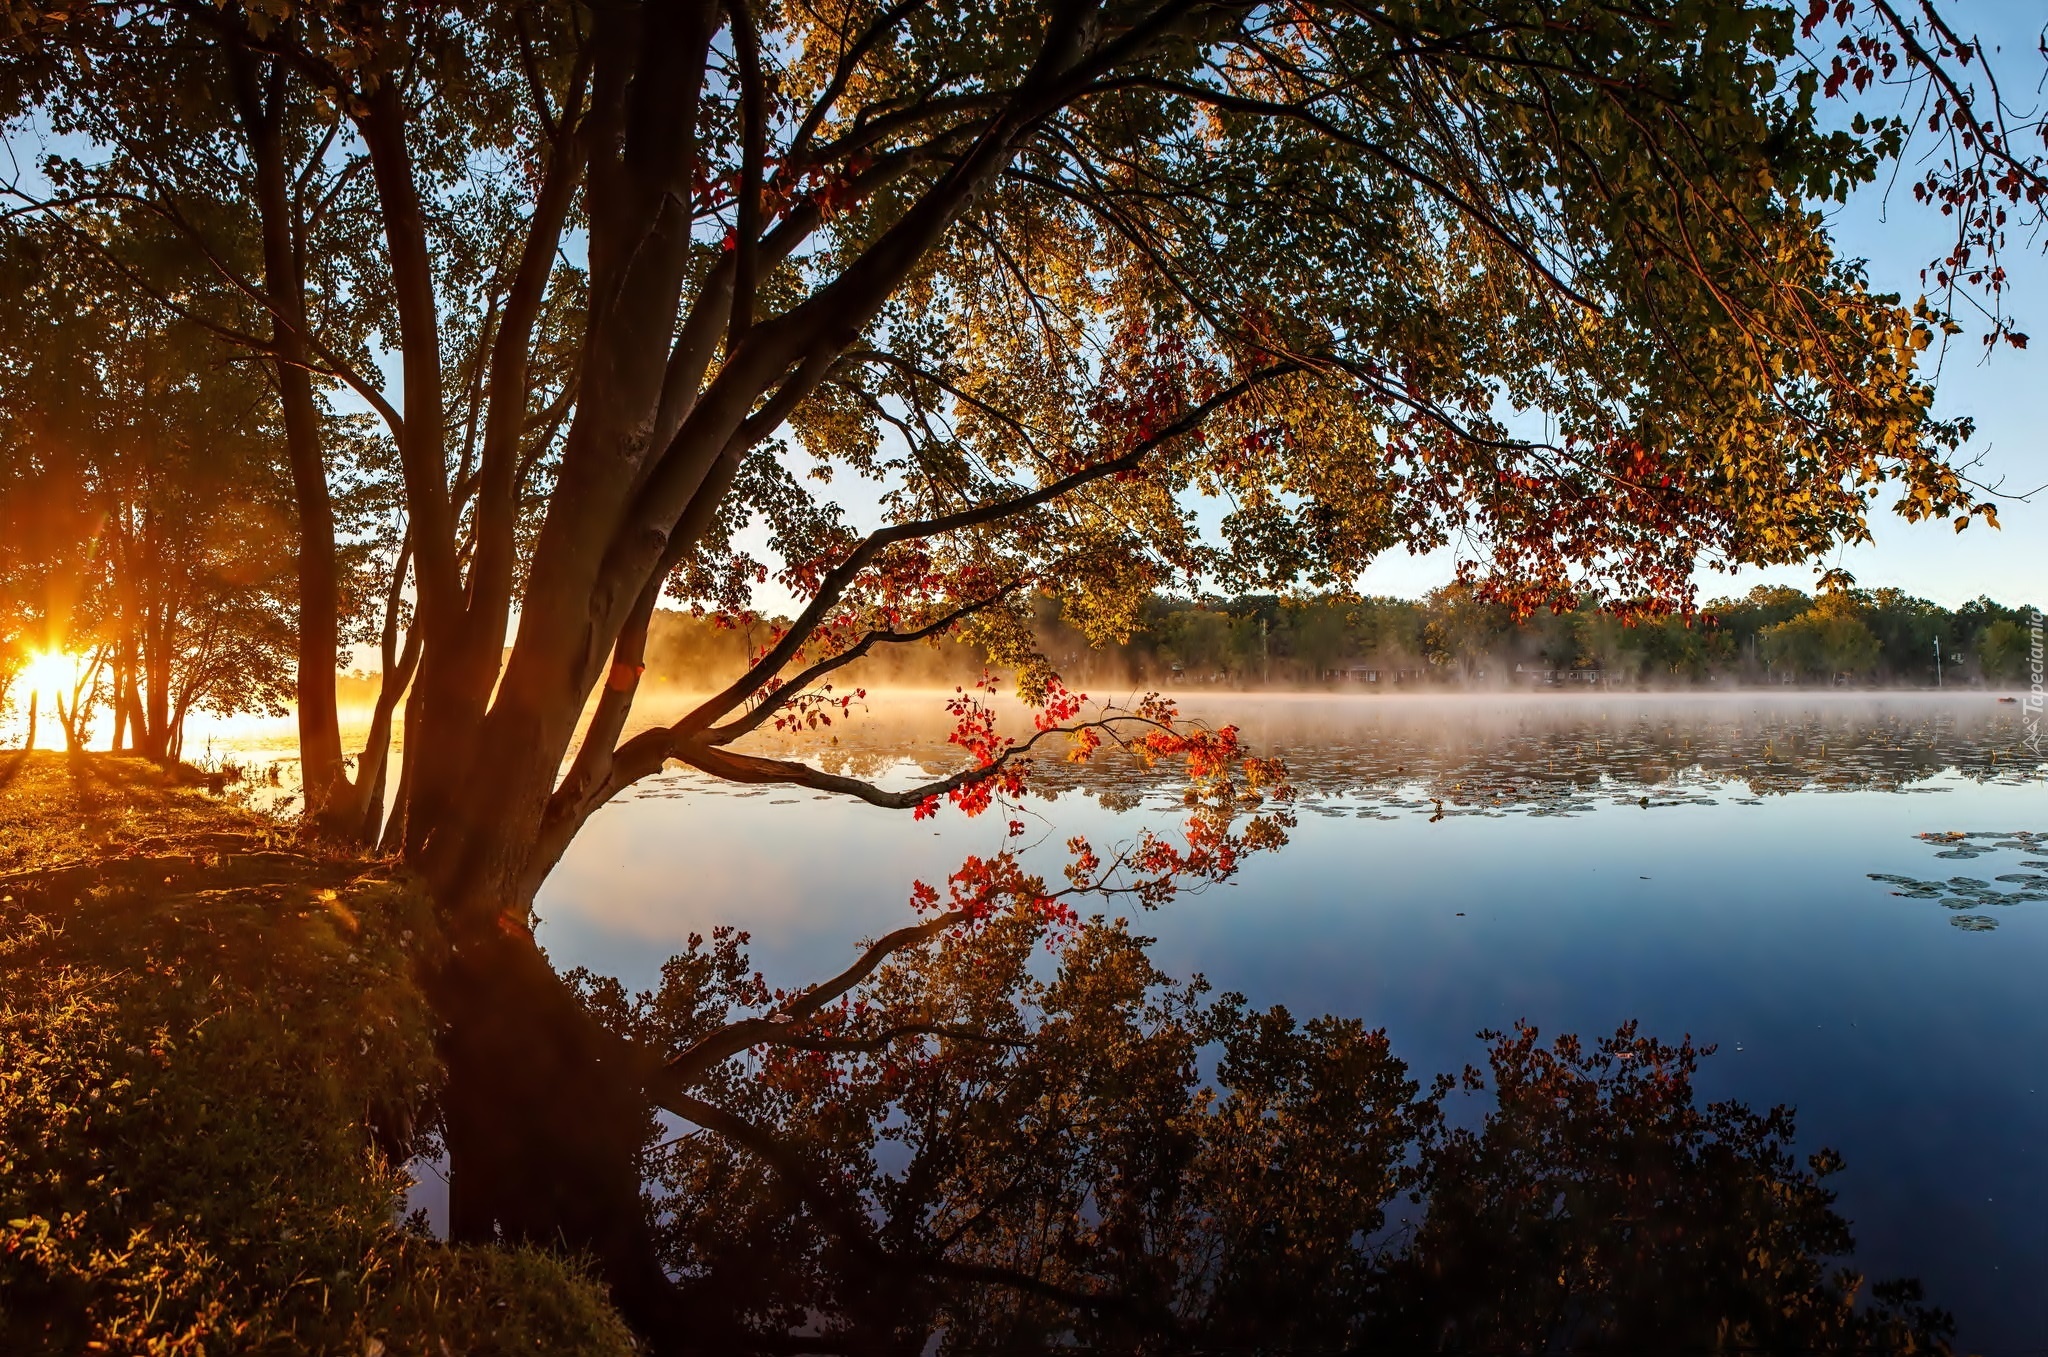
(1540,674)
(1375,672)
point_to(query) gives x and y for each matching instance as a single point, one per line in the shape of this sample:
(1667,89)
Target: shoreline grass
(213,1056)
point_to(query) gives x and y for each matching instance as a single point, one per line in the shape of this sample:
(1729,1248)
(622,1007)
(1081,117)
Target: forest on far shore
(1773,635)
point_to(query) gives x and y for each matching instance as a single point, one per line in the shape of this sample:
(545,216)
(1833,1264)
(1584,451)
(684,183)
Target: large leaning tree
(659,297)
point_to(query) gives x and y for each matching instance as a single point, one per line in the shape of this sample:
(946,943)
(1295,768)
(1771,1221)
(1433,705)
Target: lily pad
(1974,923)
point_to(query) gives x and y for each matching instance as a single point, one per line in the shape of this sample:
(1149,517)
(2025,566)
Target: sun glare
(50,673)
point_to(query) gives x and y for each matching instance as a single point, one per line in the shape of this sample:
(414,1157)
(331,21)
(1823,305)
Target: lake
(1846,895)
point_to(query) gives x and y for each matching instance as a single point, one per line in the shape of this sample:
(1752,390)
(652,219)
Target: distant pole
(1937,661)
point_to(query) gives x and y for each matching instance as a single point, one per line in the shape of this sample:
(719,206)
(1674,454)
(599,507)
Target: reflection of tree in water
(988,1148)
(1015,1134)
(1555,762)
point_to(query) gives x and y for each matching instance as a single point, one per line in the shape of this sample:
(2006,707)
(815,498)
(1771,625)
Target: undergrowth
(212,1056)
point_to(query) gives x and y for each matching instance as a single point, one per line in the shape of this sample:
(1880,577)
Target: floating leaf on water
(1974,923)
(1891,879)
(2024,878)
(1969,883)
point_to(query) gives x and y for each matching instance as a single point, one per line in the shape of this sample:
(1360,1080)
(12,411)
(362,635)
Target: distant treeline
(1772,635)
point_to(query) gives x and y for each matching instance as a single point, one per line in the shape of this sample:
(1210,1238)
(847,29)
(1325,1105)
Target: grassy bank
(212,1051)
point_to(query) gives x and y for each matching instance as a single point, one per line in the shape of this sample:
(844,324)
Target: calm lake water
(1752,870)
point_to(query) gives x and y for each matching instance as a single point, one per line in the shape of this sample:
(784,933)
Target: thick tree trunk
(484,782)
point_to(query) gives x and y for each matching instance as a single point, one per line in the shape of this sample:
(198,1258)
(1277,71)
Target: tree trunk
(153,711)
(366,813)
(118,743)
(397,814)
(544,1118)
(322,766)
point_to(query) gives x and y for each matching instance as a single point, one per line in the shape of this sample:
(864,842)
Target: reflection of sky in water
(1737,907)
(1464,862)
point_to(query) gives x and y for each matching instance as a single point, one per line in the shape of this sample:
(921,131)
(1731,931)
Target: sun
(50,673)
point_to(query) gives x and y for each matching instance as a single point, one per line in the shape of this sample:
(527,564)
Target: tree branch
(782,696)
(694,1062)
(835,584)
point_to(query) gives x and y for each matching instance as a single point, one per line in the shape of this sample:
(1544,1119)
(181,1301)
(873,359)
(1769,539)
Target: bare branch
(759,770)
